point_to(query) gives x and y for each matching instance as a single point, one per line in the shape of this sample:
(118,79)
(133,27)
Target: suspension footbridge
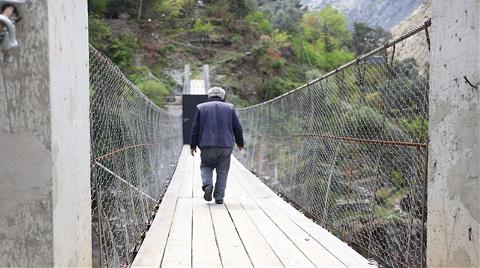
(335,173)
(339,163)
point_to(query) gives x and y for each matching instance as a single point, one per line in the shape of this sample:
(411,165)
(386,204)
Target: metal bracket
(8,17)
(12,2)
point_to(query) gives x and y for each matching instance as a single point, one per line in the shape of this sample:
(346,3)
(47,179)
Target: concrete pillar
(454,153)
(186,79)
(206,77)
(44,139)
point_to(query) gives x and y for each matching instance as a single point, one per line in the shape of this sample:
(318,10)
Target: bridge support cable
(126,182)
(353,143)
(135,148)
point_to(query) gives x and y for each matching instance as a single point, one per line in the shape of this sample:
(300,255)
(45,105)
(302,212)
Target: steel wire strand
(135,146)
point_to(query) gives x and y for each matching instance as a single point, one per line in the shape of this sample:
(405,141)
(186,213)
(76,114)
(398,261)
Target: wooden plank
(186,189)
(177,179)
(179,245)
(205,252)
(342,250)
(151,251)
(259,188)
(286,250)
(255,244)
(231,248)
(329,242)
(197,179)
(313,250)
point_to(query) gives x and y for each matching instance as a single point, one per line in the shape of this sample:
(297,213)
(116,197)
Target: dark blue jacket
(216,125)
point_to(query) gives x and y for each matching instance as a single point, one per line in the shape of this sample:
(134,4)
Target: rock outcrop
(384,13)
(409,48)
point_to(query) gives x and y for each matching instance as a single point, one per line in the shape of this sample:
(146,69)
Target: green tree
(259,22)
(226,8)
(118,49)
(366,38)
(329,25)
(155,90)
(116,7)
(284,15)
(202,28)
(99,34)
(280,39)
(169,8)
(325,39)
(97,7)
(239,6)
(316,56)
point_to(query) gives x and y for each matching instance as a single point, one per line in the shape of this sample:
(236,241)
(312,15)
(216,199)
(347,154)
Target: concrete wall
(454,165)
(44,139)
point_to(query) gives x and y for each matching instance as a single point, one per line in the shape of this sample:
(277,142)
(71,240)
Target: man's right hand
(193,151)
(240,147)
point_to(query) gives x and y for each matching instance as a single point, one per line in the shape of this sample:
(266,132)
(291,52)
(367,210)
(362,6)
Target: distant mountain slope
(384,13)
(408,48)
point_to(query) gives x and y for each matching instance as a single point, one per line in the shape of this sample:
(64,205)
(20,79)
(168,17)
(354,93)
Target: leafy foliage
(203,28)
(154,90)
(366,38)
(259,23)
(171,9)
(118,49)
(98,7)
(328,26)
(290,45)
(284,15)
(277,86)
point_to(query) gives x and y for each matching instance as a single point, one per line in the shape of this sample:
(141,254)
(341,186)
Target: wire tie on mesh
(427,34)
(470,83)
(393,54)
(126,182)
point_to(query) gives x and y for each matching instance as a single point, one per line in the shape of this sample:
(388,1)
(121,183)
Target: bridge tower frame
(45,201)
(453,238)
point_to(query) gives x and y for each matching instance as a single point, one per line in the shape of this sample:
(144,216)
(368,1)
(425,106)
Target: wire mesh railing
(135,148)
(350,149)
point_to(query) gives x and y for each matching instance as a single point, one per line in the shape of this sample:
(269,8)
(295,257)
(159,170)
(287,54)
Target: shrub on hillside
(259,23)
(118,49)
(155,90)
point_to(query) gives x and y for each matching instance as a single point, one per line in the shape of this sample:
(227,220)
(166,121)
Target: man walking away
(215,130)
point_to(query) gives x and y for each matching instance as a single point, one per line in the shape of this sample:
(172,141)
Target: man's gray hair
(216,92)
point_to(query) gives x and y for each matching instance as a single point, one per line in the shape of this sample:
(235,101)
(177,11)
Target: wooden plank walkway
(254,228)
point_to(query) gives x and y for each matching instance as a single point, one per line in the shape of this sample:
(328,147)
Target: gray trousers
(217,158)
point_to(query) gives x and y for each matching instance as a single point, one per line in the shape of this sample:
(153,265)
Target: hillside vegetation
(257,50)
(384,13)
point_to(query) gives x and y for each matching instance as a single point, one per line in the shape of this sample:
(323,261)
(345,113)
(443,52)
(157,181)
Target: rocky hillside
(384,13)
(408,48)
(256,51)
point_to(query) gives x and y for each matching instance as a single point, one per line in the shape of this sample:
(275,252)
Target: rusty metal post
(424,210)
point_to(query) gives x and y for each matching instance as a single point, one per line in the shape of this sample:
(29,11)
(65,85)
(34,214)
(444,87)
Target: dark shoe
(208,192)
(219,201)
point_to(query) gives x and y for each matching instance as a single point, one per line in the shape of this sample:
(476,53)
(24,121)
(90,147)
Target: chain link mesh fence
(350,150)
(135,148)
